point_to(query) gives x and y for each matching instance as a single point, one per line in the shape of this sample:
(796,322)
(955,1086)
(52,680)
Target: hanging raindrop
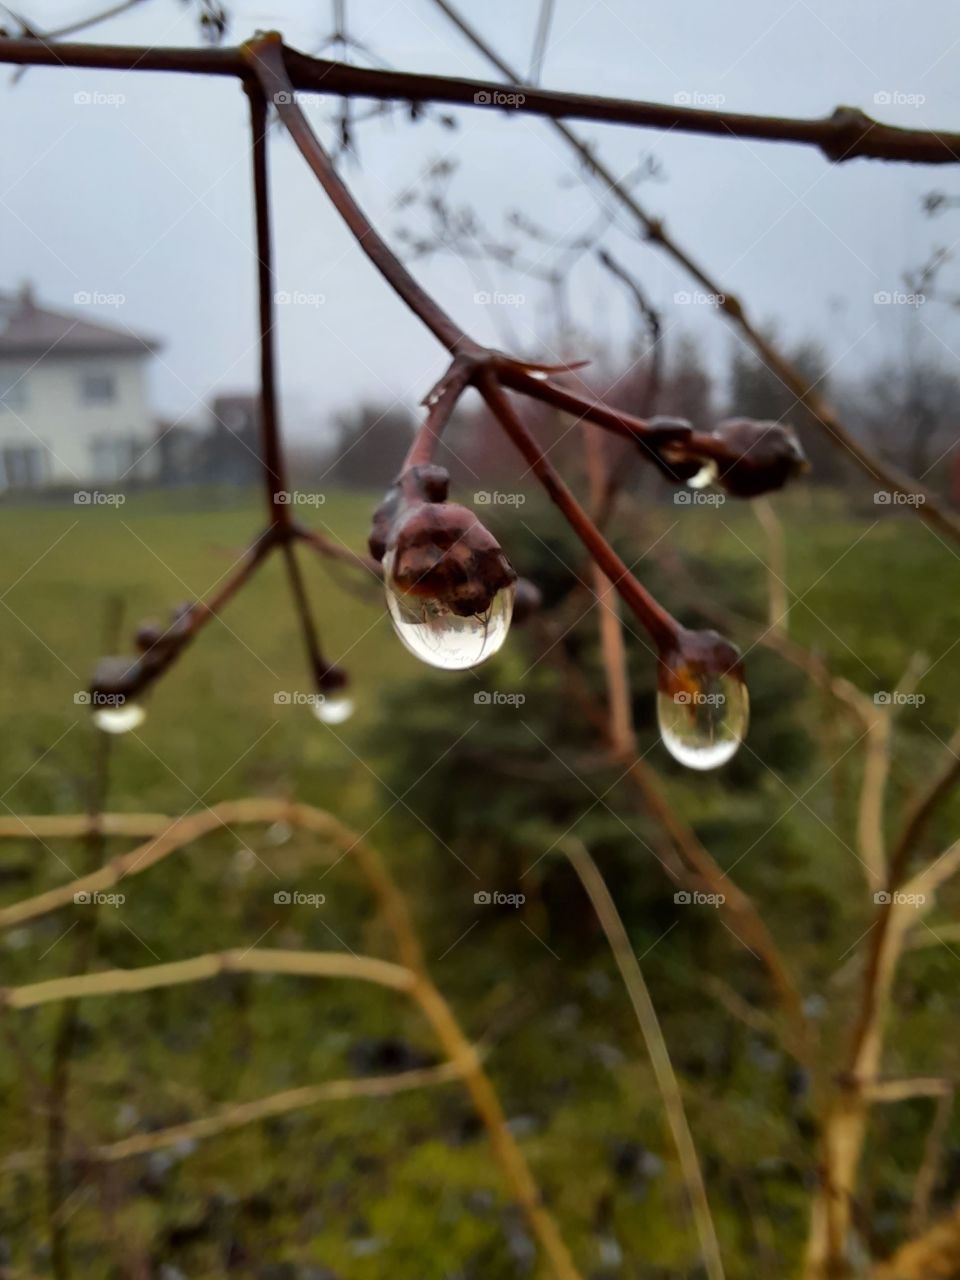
(120,719)
(332,708)
(437,635)
(703,707)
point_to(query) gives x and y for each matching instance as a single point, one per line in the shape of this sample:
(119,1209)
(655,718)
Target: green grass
(406,1186)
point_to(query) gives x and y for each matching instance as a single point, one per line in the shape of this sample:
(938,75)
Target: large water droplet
(703,718)
(332,708)
(119,719)
(438,636)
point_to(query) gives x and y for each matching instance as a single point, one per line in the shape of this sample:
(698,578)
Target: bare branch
(847,134)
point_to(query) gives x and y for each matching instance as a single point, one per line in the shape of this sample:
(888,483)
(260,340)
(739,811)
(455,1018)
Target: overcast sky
(144,191)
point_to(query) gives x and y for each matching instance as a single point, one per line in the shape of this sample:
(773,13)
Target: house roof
(27,329)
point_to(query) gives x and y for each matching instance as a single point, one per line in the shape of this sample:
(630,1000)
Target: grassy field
(406,1186)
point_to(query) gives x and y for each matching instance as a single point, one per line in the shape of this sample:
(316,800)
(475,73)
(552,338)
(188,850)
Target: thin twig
(413,976)
(632,975)
(303,964)
(239,1114)
(923,501)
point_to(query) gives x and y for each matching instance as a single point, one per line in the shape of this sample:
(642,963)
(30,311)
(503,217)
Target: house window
(23,466)
(13,389)
(97,388)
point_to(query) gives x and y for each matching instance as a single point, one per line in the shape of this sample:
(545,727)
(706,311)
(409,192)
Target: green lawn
(406,1186)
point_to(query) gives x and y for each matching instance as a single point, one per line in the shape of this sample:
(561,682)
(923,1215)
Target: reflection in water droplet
(703,722)
(441,638)
(705,476)
(119,719)
(332,708)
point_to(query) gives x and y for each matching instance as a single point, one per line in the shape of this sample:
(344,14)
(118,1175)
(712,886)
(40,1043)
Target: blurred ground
(405,1186)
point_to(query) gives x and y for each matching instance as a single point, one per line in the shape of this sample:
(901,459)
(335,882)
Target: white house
(73,398)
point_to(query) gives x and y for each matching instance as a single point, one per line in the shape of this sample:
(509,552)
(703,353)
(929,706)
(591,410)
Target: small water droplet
(703,707)
(438,636)
(119,719)
(705,476)
(332,708)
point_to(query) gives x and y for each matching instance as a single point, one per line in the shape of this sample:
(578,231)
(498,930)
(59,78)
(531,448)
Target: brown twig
(653,230)
(845,135)
(662,627)
(274,466)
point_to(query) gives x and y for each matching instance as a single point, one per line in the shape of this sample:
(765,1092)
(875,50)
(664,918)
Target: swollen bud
(758,457)
(449,586)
